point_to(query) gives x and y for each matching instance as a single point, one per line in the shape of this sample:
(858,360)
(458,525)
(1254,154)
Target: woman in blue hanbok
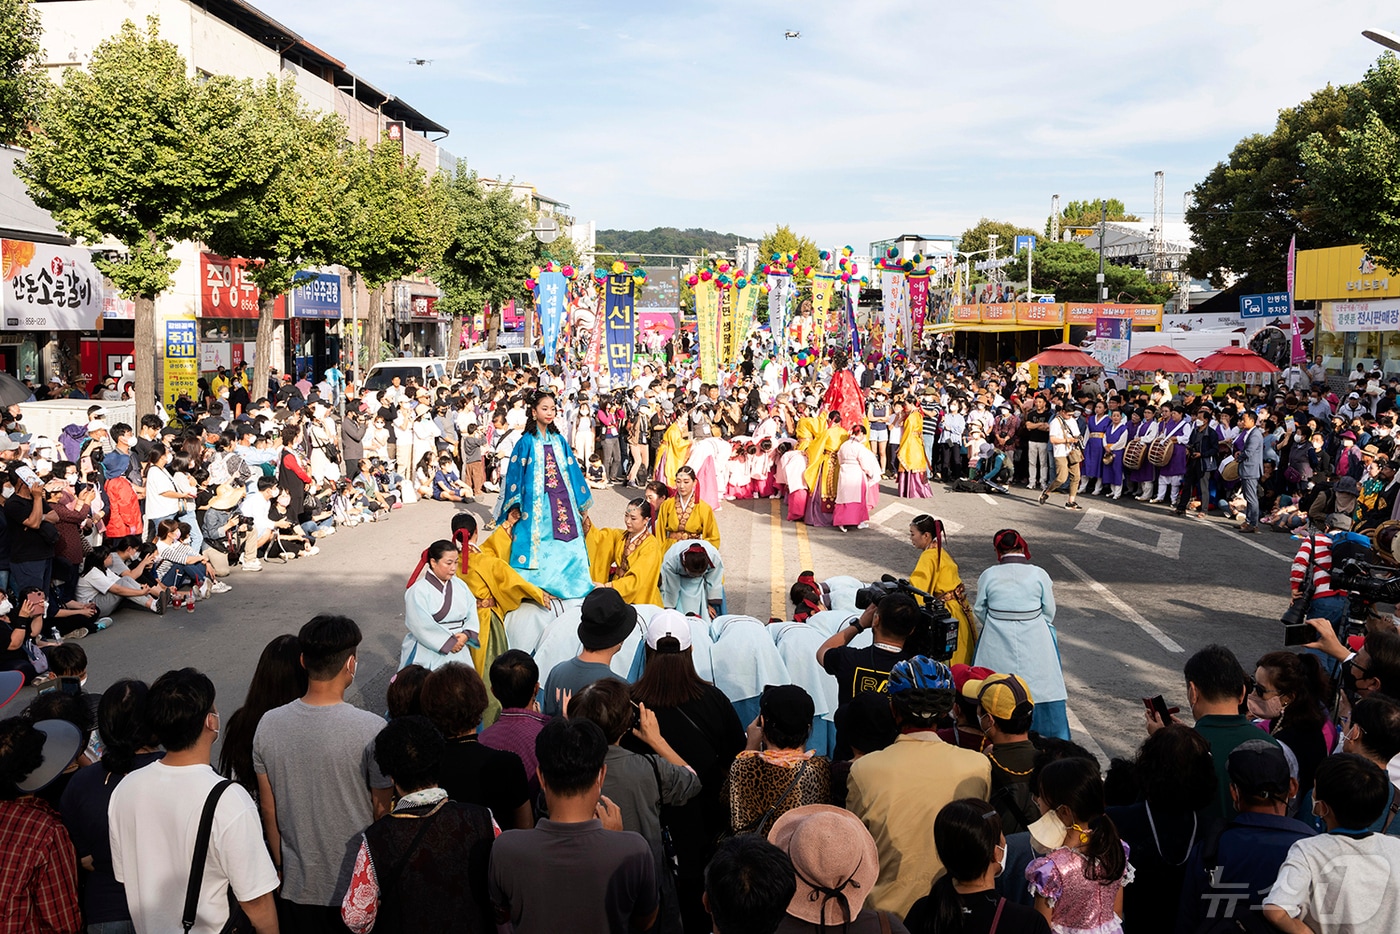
(545,488)
(1016,609)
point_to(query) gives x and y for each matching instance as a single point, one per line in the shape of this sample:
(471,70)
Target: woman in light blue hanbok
(545,487)
(439,612)
(1016,609)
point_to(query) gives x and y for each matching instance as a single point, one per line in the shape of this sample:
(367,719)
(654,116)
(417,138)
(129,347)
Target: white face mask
(1048,833)
(5,606)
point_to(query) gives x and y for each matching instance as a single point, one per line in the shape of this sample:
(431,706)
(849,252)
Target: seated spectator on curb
(1349,795)
(423,867)
(748,885)
(578,870)
(515,680)
(1233,866)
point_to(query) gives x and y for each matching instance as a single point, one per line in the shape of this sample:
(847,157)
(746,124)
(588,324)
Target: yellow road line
(804,548)
(775,557)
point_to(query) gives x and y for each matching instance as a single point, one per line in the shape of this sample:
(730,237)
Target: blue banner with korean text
(317,295)
(620,322)
(550,299)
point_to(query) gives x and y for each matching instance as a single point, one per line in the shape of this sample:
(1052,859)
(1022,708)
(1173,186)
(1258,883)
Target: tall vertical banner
(823,288)
(745,304)
(1298,355)
(181,360)
(595,340)
(780,288)
(725,340)
(852,297)
(550,296)
(894,307)
(918,307)
(622,328)
(707,328)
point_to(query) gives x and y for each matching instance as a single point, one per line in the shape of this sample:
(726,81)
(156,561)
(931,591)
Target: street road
(1138,590)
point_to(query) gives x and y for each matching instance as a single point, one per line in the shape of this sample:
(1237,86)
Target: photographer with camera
(1015,610)
(891,623)
(1328,601)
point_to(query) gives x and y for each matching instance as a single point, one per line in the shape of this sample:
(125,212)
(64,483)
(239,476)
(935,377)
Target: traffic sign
(1267,305)
(1025,242)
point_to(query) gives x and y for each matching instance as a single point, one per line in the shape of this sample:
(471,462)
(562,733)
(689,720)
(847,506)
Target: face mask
(1314,810)
(1298,438)
(1048,833)
(999,859)
(1262,709)
(5,606)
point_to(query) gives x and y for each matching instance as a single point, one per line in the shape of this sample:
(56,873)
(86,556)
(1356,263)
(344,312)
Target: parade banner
(918,305)
(181,360)
(595,342)
(726,341)
(707,329)
(1298,354)
(823,288)
(745,305)
(780,293)
(622,328)
(893,308)
(49,288)
(852,296)
(550,296)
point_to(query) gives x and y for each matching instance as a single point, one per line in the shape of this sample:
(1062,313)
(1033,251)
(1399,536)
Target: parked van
(523,356)
(427,371)
(493,360)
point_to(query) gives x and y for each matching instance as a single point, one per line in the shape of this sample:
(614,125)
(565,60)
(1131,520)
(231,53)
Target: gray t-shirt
(573,676)
(320,763)
(572,877)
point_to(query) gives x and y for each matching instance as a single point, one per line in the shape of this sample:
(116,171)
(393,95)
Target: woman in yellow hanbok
(674,451)
(913,460)
(628,559)
(823,472)
(498,590)
(937,573)
(685,515)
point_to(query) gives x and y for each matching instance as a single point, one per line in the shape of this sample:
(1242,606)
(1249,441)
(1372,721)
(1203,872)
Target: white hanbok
(435,612)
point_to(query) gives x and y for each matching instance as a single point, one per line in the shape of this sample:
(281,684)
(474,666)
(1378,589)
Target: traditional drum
(1159,454)
(1133,454)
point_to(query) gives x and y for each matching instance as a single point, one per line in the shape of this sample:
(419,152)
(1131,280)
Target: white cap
(669,623)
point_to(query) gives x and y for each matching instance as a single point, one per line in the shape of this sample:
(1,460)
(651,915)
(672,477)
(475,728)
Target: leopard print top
(754,784)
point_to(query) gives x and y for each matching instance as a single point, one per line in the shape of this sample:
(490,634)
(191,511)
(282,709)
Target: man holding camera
(1328,601)
(891,622)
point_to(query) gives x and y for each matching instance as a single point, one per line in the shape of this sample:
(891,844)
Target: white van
(523,356)
(426,371)
(493,360)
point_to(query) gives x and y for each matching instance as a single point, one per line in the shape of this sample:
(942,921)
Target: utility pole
(1103,225)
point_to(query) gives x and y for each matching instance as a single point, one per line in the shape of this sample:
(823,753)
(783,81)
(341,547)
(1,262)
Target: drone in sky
(792,34)
(420,61)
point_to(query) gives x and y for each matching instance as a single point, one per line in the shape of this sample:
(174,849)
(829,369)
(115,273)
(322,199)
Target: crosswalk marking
(1127,612)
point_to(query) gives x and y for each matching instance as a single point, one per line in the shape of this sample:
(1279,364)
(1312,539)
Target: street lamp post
(1383,37)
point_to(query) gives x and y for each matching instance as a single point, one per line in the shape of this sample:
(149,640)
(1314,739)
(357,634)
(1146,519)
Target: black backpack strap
(201,853)
(1394,808)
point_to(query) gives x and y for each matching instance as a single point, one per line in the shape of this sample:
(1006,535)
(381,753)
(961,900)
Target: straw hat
(834,857)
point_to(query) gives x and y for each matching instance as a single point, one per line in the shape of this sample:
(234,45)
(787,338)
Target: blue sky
(883,118)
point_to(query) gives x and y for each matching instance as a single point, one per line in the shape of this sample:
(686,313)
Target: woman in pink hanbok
(791,468)
(709,458)
(740,483)
(763,469)
(857,483)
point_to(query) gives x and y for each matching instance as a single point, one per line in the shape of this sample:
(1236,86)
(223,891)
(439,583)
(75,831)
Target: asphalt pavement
(1137,588)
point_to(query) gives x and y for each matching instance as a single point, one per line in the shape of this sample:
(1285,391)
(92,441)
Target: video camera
(935,636)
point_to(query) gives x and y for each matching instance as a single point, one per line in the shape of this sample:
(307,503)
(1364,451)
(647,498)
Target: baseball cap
(1258,768)
(1001,694)
(669,623)
(962,674)
(8,443)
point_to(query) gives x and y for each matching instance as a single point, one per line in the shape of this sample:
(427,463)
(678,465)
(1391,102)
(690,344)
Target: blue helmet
(920,673)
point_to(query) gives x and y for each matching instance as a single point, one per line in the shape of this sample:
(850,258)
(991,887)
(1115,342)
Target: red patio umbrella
(1064,355)
(1236,360)
(1161,358)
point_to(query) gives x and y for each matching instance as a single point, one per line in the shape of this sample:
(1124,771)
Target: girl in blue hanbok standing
(546,490)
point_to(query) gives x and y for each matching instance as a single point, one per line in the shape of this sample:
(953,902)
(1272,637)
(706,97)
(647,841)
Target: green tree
(1089,213)
(1356,171)
(22,82)
(290,219)
(976,238)
(488,253)
(389,226)
(1247,208)
(1070,270)
(133,150)
(783,240)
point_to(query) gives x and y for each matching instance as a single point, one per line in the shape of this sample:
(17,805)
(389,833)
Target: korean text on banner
(621,324)
(852,296)
(707,329)
(595,339)
(1356,317)
(892,302)
(1112,343)
(1298,355)
(225,291)
(780,292)
(918,305)
(745,304)
(725,340)
(823,287)
(49,288)
(551,293)
(317,295)
(181,360)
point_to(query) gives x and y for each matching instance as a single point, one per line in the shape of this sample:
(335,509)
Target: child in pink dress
(1078,884)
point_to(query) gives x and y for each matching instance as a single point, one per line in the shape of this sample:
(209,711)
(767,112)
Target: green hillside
(667,240)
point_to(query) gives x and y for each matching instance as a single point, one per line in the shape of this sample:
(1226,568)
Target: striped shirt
(1322,567)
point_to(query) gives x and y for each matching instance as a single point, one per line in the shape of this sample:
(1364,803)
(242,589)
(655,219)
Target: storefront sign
(317,297)
(1342,272)
(1141,315)
(116,308)
(1347,317)
(224,289)
(424,308)
(101,359)
(49,288)
(1040,313)
(181,360)
(967,314)
(1001,313)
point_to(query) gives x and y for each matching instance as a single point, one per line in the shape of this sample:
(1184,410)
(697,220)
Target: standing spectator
(578,870)
(31,545)
(1287,698)
(422,868)
(473,460)
(453,697)
(606,621)
(318,785)
(1232,868)
(155,816)
(515,680)
(776,772)
(39,881)
(1005,711)
(278,679)
(1037,432)
(748,886)
(1310,893)
(1328,601)
(898,791)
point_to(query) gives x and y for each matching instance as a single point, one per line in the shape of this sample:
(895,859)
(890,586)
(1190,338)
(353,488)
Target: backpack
(124,508)
(71,439)
(962,485)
